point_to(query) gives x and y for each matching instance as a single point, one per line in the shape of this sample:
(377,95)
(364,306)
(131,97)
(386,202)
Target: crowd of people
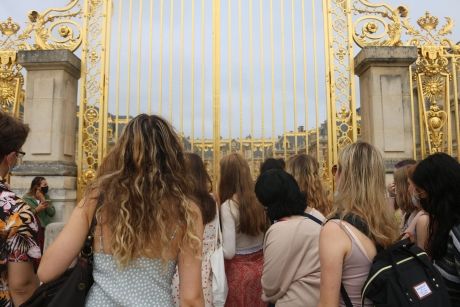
(287,240)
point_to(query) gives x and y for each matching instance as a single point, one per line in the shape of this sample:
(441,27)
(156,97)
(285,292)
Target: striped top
(449,265)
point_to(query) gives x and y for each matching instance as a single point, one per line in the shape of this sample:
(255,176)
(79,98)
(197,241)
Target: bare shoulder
(331,228)
(423,220)
(334,236)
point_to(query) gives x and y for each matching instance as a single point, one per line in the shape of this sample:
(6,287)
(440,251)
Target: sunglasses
(20,154)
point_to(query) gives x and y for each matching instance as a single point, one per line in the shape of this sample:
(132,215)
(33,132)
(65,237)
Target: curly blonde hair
(143,191)
(305,170)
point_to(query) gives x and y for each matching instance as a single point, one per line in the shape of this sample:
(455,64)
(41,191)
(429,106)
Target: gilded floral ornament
(428,33)
(11,83)
(377,24)
(436,119)
(53,29)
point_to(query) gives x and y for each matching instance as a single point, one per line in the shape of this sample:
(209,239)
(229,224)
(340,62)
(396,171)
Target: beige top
(291,274)
(356,267)
(233,241)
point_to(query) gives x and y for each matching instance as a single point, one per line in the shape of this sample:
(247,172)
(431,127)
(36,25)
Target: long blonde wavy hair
(143,192)
(361,191)
(305,170)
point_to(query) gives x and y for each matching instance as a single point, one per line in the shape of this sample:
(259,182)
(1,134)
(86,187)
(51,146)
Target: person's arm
(22,281)
(23,246)
(50,210)
(333,247)
(189,267)
(228,231)
(60,254)
(276,256)
(421,230)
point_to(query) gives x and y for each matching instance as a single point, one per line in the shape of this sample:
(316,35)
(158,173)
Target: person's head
(403,194)
(271,163)
(200,186)
(236,183)
(305,170)
(13,135)
(143,190)
(360,182)
(279,193)
(38,184)
(437,185)
(405,162)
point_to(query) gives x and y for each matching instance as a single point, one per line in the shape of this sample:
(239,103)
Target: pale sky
(256,58)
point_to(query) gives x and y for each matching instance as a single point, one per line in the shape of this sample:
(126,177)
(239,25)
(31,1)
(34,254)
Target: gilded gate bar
(225,99)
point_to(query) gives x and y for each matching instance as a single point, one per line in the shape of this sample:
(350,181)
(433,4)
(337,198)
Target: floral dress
(209,246)
(18,237)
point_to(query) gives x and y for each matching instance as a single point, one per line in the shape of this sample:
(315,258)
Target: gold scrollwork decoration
(55,28)
(436,119)
(11,83)
(378,24)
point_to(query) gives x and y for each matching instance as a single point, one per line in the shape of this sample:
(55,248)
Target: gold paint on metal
(216,76)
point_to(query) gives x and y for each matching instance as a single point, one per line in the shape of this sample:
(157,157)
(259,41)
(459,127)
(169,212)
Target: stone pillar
(50,109)
(386,120)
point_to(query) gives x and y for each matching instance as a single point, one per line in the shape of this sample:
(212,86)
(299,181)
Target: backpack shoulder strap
(313,218)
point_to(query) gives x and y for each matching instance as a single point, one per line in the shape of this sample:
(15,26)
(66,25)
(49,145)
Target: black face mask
(44,190)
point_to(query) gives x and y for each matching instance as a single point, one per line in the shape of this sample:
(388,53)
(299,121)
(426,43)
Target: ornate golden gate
(254,83)
(235,75)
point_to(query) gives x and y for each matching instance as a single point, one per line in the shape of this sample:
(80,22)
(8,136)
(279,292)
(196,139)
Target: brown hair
(36,182)
(144,193)
(13,134)
(236,179)
(403,197)
(305,170)
(200,186)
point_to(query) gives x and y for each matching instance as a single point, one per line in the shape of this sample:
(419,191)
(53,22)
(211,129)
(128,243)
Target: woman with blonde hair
(145,223)
(305,169)
(362,221)
(243,225)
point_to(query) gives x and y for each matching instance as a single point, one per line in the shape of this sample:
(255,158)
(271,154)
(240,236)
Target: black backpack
(401,275)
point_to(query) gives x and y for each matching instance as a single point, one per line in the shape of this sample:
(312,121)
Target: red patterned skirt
(244,273)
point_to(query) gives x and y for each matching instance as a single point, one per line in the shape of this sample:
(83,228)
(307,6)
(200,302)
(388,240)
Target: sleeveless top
(144,282)
(355,269)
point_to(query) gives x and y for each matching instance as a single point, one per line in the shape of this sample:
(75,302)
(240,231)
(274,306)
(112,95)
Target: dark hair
(439,176)
(13,134)
(405,162)
(271,163)
(279,193)
(34,184)
(200,186)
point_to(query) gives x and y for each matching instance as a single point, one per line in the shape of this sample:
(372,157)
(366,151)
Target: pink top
(356,267)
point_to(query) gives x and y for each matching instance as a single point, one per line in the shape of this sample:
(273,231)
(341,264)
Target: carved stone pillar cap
(401,56)
(50,60)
